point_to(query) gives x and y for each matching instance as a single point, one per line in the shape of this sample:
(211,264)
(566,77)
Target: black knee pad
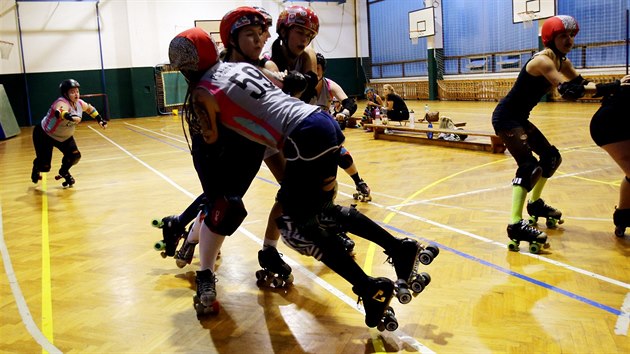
(550,160)
(527,175)
(72,158)
(225,214)
(42,168)
(345,159)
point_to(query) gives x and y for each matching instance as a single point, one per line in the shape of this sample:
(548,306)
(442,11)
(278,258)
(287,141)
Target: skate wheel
(355,196)
(260,275)
(181,263)
(389,320)
(434,249)
(289,279)
(157,223)
(551,223)
(277,282)
(426,257)
(403,296)
(620,231)
(513,246)
(533,220)
(58,177)
(534,247)
(159,246)
(416,285)
(426,278)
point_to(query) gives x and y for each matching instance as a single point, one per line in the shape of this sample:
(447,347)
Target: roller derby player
(545,70)
(57,130)
(309,140)
(327,91)
(610,129)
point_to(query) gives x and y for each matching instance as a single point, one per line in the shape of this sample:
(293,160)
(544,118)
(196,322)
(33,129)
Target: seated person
(374,101)
(396,108)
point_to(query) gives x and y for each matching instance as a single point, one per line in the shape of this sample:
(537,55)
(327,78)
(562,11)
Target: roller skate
(275,272)
(205,300)
(376,294)
(363,192)
(348,244)
(68,179)
(539,209)
(185,254)
(405,259)
(172,233)
(621,218)
(35,175)
(522,231)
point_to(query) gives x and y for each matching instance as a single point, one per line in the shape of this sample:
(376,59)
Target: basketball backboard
(529,10)
(421,23)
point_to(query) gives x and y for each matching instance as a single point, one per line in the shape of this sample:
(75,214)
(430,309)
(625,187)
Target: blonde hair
(390,88)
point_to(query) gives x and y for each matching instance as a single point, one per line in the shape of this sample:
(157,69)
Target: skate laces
(525,226)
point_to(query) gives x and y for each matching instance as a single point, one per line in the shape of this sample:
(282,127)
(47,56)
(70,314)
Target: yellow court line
(47,319)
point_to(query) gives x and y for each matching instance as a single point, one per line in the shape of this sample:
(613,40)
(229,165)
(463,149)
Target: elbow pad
(571,91)
(294,82)
(349,104)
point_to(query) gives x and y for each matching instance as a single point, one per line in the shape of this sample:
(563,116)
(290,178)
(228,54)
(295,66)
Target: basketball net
(527,17)
(5,49)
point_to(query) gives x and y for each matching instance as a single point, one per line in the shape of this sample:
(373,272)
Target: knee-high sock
(519,194)
(209,247)
(538,188)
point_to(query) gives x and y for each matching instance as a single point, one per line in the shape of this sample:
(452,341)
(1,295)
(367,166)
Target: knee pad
(72,158)
(225,214)
(550,160)
(349,104)
(345,159)
(527,175)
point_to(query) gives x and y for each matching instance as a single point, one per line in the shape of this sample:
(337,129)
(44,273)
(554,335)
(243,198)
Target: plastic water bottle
(377,116)
(412,119)
(430,134)
(426,108)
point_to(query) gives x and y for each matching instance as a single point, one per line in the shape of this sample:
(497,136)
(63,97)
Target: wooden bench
(418,134)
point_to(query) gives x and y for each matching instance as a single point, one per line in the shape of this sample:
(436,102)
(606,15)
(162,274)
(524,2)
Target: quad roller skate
(205,300)
(621,218)
(405,259)
(68,179)
(363,192)
(172,233)
(275,272)
(522,231)
(376,294)
(35,175)
(185,254)
(539,209)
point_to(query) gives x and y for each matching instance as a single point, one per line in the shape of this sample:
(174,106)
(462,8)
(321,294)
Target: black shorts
(610,124)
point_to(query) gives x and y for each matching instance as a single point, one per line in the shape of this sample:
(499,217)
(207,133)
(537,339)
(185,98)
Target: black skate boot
(522,231)
(363,192)
(405,259)
(205,300)
(376,294)
(539,209)
(185,254)
(275,272)
(348,244)
(621,218)
(35,175)
(172,233)
(68,179)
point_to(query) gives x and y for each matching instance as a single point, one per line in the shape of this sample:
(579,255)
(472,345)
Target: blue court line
(606,308)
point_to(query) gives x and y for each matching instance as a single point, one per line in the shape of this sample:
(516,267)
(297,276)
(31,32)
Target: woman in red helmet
(547,69)
(57,130)
(296,28)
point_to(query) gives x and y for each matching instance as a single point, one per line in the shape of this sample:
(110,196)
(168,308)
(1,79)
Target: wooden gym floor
(80,274)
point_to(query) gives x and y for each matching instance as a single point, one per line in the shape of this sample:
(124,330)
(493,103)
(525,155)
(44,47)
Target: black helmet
(321,60)
(66,85)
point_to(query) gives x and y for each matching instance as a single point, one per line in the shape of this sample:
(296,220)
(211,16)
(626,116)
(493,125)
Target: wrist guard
(607,89)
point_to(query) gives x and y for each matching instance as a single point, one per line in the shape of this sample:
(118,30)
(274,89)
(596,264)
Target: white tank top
(252,105)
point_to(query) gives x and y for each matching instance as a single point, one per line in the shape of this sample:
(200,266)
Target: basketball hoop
(5,49)
(527,17)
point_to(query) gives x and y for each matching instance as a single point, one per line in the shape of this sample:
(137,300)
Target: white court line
(25,314)
(623,321)
(336,292)
(156,133)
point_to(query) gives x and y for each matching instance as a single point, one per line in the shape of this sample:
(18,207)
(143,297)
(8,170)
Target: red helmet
(238,18)
(193,51)
(298,16)
(556,25)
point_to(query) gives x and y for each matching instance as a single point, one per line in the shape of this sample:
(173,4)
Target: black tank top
(522,98)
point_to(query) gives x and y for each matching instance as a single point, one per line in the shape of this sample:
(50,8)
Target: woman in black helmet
(57,130)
